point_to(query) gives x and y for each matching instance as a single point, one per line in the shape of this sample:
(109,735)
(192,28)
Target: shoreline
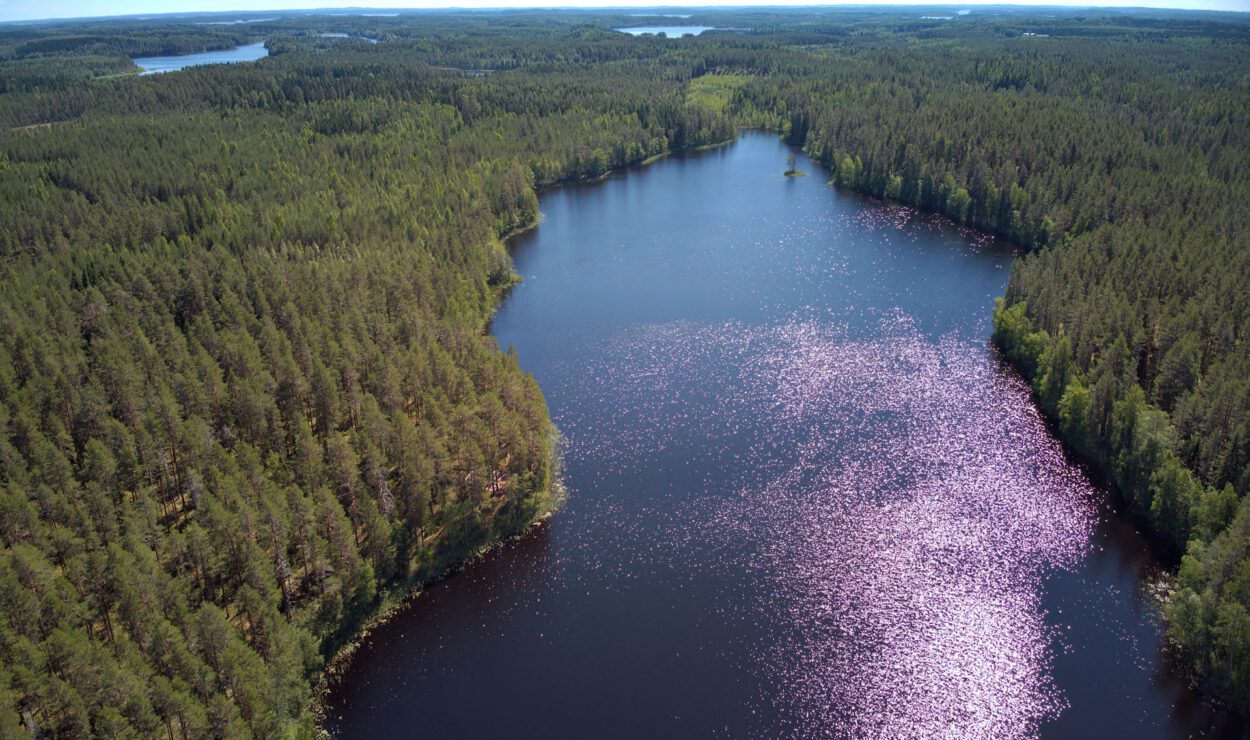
(394,602)
(402,594)
(1113,502)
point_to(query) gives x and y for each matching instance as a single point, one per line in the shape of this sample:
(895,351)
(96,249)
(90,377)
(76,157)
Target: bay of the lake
(158,65)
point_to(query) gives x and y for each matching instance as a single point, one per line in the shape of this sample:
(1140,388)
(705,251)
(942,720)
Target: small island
(791,170)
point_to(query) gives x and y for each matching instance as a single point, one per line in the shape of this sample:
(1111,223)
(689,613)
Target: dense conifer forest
(246,387)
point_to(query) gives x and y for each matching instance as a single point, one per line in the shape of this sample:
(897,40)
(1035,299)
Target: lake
(805,497)
(670,31)
(157,65)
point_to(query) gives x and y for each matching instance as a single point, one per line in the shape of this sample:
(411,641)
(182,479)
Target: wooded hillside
(245,380)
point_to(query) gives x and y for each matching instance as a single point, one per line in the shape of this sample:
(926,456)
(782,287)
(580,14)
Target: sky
(14,10)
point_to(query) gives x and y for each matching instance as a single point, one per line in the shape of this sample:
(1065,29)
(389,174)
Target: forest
(245,382)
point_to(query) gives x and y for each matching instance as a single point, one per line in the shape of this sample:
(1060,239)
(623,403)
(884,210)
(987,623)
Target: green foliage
(714,91)
(1014,333)
(1207,615)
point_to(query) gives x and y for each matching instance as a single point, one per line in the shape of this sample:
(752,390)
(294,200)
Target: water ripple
(898,507)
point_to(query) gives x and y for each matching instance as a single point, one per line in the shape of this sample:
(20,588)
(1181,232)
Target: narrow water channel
(805,500)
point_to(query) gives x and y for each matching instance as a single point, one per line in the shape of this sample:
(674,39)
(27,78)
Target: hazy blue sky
(35,9)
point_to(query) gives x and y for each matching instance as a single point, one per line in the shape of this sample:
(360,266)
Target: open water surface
(245,53)
(806,498)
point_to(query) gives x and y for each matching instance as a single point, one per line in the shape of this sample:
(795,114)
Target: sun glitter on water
(903,507)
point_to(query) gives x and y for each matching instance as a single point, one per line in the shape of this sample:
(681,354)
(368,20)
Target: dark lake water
(157,65)
(805,499)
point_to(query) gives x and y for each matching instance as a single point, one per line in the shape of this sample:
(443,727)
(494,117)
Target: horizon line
(721,5)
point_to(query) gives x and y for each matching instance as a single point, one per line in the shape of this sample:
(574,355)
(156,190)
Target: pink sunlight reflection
(908,505)
(911,535)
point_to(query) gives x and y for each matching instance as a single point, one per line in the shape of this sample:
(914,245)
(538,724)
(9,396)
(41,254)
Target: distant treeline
(243,377)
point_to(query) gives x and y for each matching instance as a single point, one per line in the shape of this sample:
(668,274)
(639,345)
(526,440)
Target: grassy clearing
(714,92)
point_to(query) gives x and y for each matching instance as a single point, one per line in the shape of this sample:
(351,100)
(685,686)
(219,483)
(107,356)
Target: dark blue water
(805,498)
(157,65)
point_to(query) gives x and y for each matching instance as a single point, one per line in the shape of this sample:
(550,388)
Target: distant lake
(157,65)
(235,22)
(670,31)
